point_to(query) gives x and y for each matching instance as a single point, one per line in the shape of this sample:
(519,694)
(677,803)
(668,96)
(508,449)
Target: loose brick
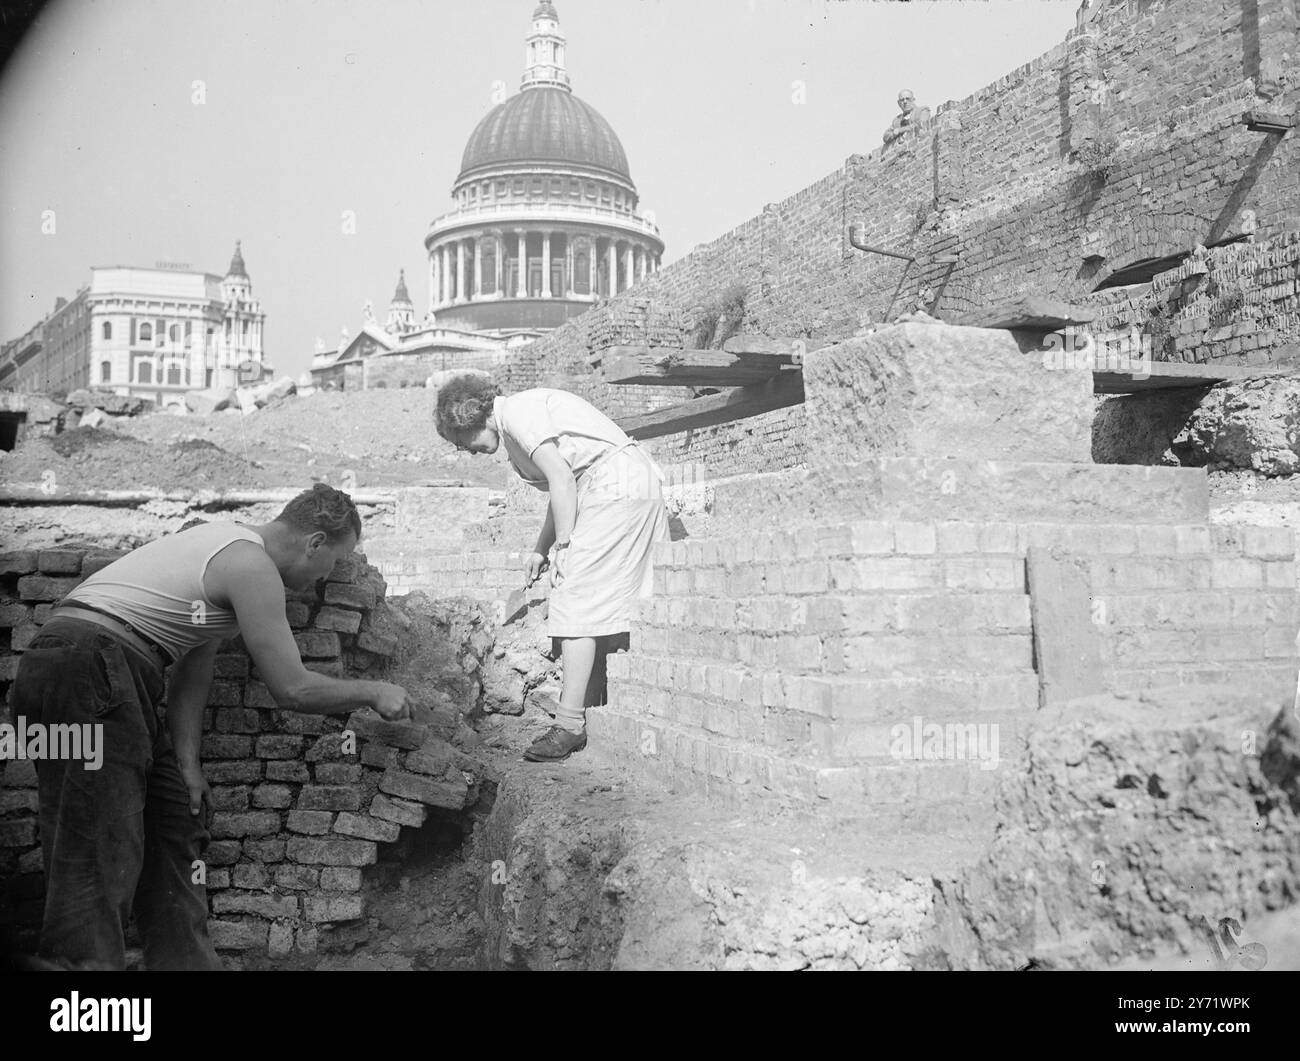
(297,878)
(343,908)
(59,561)
(265,850)
(310,822)
(367,828)
(350,595)
(380,644)
(276,797)
(226,797)
(343,620)
(307,725)
(95,562)
(279,746)
(22,636)
(237,902)
(450,794)
(340,879)
(398,810)
(228,694)
(253,823)
(288,770)
(325,748)
(338,773)
(222,852)
(18,562)
(232,773)
(317,644)
(244,934)
(14,614)
(279,942)
(13,800)
(256,694)
(329,797)
(333,852)
(298,614)
(369,726)
(230,667)
(45,588)
(251,875)
(380,755)
(226,747)
(20,833)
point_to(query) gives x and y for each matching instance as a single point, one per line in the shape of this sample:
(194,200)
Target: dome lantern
(544,66)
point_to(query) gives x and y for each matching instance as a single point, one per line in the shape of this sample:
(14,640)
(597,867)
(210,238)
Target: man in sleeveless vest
(123,838)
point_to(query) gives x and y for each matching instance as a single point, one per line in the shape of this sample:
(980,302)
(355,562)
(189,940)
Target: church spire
(401,313)
(237,263)
(545,62)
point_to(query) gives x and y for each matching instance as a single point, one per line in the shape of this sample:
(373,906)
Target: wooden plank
(667,367)
(1067,645)
(1030,314)
(778,393)
(1160,375)
(762,344)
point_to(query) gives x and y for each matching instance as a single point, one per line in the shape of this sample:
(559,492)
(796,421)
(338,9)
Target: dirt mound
(384,438)
(88,458)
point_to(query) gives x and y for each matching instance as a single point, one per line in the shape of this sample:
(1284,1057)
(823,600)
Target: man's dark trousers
(121,837)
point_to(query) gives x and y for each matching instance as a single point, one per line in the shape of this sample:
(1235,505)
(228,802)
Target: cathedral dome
(544,125)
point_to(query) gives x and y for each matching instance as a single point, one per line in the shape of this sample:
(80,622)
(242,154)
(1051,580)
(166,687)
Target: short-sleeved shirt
(580,431)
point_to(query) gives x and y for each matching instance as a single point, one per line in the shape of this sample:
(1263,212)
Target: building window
(537,188)
(591,189)
(207,378)
(174,374)
(519,186)
(557,187)
(106,371)
(575,189)
(107,330)
(582,271)
(174,333)
(501,188)
(144,372)
(146,332)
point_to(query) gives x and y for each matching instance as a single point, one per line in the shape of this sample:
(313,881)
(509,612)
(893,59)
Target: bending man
(127,835)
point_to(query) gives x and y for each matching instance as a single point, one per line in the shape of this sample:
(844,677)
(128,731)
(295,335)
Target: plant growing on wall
(1097,155)
(720,319)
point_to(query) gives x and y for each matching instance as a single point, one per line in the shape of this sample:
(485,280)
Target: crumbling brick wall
(1122,145)
(302,802)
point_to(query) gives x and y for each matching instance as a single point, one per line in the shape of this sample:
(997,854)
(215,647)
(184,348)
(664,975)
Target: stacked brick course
(302,802)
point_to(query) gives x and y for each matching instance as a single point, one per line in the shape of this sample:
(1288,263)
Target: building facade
(150,333)
(546,223)
(546,218)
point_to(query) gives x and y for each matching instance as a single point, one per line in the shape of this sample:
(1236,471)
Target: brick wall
(301,808)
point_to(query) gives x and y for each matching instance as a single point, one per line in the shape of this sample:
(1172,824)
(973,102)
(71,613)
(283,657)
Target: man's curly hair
(464,404)
(322,508)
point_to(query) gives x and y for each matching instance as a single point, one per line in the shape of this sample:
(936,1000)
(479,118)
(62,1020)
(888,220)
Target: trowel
(518,601)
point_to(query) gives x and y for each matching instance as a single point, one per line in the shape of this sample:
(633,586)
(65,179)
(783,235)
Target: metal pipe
(854,241)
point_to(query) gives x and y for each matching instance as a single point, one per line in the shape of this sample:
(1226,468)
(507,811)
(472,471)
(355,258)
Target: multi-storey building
(151,333)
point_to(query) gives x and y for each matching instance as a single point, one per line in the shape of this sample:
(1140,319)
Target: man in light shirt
(125,838)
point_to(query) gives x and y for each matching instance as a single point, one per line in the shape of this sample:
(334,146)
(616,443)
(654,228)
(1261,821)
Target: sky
(305,109)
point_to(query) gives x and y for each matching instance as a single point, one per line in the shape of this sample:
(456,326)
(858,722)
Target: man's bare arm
(244,574)
(187,696)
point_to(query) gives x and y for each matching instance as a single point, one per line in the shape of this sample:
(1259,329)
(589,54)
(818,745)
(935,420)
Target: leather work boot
(555,745)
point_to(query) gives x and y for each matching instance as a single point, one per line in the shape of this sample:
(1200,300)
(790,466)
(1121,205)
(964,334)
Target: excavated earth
(1128,822)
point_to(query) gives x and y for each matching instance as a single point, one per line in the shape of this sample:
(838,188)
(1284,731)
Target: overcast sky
(314,107)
